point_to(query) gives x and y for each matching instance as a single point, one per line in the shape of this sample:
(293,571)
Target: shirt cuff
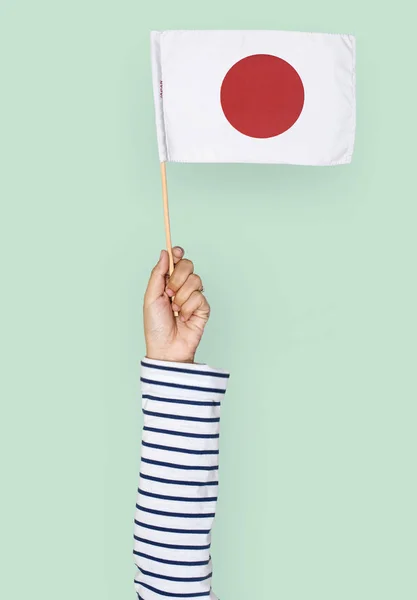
(184,380)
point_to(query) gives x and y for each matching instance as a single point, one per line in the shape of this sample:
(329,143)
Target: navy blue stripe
(183,450)
(174,466)
(177,481)
(169,530)
(205,436)
(179,579)
(172,595)
(181,417)
(195,388)
(177,563)
(181,370)
(176,498)
(163,513)
(172,401)
(170,546)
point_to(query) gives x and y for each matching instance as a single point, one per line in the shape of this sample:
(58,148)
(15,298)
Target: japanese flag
(254,96)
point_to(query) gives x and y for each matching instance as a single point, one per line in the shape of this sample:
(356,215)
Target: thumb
(157,280)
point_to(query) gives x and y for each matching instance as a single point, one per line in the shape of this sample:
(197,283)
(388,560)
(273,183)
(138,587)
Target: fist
(169,337)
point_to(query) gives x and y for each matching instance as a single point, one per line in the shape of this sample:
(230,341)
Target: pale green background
(311,276)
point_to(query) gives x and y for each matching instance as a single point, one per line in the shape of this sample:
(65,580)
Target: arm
(177,493)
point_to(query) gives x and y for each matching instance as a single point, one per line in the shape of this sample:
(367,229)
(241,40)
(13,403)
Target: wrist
(169,357)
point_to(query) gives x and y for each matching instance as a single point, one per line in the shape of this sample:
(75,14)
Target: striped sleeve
(178,481)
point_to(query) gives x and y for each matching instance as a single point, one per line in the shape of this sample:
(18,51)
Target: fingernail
(160,256)
(182,318)
(175,307)
(169,292)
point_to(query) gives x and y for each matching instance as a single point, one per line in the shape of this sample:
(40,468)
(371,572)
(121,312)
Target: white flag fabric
(254,96)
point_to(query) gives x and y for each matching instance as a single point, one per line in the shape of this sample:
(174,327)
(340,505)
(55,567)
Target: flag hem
(157,80)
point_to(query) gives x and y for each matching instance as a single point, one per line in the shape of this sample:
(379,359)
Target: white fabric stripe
(187,504)
(171,522)
(176,539)
(186,410)
(148,595)
(188,556)
(168,473)
(181,425)
(176,587)
(167,489)
(177,522)
(200,460)
(178,441)
(184,476)
(217,374)
(167,391)
(148,564)
(179,508)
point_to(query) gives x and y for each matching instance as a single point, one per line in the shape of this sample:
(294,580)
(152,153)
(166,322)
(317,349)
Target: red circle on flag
(262,96)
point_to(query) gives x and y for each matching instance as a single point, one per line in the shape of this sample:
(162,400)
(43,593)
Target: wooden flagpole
(166,221)
(166,216)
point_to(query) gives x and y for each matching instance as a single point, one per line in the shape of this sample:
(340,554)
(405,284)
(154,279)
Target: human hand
(168,337)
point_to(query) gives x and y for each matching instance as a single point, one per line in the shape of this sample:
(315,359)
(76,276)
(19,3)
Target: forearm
(177,493)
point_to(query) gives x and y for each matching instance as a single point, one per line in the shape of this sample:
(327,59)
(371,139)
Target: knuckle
(206,304)
(186,262)
(197,280)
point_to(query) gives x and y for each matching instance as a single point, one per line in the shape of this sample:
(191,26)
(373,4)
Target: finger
(177,254)
(192,284)
(196,305)
(182,270)
(156,284)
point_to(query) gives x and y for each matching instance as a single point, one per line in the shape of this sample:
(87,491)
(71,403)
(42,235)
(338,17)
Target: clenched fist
(169,337)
